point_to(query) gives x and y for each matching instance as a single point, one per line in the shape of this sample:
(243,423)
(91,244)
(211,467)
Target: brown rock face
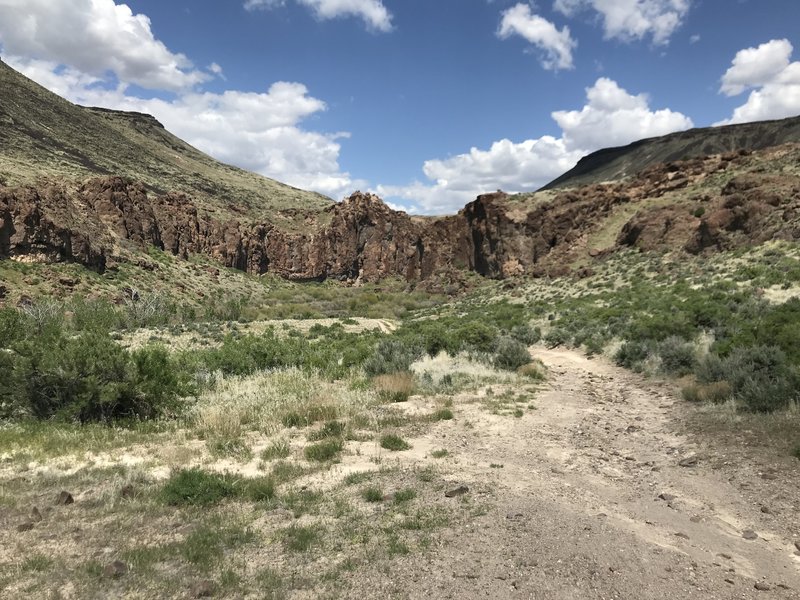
(362,239)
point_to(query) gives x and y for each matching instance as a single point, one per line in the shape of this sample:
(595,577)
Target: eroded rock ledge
(363,239)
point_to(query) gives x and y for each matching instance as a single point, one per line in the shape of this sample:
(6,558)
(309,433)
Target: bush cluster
(81,376)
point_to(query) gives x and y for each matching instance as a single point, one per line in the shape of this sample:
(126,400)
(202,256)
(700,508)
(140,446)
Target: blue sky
(426,102)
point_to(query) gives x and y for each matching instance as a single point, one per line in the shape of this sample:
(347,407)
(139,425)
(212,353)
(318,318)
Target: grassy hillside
(45,136)
(611,164)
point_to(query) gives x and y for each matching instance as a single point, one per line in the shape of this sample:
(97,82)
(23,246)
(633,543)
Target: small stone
(26,526)
(682,535)
(766,510)
(667,497)
(797,545)
(459,491)
(689,461)
(115,570)
(203,588)
(729,581)
(725,556)
(36,516)
(769,476)
(749,534)
(762,587)
(64,499)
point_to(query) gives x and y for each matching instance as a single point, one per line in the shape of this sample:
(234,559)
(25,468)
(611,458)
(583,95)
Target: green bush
(526,334)
(476,336)
(557,337)
(391,356)
(677,356)
(511,354)
(632,355)
(760,377)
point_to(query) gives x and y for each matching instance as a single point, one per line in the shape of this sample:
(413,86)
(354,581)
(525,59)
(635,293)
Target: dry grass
(395,387)
(534,370)
(268,401)
(444,366)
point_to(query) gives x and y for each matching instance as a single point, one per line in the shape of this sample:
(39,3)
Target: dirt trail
(575,512)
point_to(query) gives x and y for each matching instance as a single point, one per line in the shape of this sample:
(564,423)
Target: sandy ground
(575,512)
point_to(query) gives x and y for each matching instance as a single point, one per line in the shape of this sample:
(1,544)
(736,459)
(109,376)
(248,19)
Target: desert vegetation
(231,433)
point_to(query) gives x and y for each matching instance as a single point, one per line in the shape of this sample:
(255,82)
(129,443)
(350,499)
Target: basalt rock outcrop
(700,205)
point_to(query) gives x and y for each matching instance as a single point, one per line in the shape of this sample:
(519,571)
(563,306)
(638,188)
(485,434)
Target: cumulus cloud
(373,12)
(774,80)
(611,116)
(556,46)
(261,132)
(506,165)
(95,37)
(756,67)
(632,19)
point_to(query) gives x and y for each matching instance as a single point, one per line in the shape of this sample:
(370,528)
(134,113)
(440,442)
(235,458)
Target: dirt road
(587,498)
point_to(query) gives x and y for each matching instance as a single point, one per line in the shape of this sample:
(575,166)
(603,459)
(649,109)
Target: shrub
(716,392)
(534,370)
(395,387)
(760,377)
(526,334)
(145,310)
(277,449)
(677,356)
(476,336)
(391,356)
(323,451)
(557,337)
(632,355)
(394,443)
(44,316)
(12,327)
(511,354)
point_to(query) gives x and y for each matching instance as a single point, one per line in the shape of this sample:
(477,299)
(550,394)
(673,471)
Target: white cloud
(555,45)
(632,19)
(95,37)
(775,78)
(613,117)
(756,67)
(261,132)
(373,12)
(506,165)
(610,117)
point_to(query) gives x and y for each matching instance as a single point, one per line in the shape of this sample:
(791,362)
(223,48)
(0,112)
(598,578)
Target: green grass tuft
(394,443)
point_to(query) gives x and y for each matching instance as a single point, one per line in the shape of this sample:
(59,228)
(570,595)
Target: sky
(427,103)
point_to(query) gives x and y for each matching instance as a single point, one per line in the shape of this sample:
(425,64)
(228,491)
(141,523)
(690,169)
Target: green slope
(43,136)
(612,164)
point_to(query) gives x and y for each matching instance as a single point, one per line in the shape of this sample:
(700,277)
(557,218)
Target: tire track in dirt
(591,502)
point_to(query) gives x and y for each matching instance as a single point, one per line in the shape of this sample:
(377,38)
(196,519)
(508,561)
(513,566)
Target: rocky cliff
(699,205)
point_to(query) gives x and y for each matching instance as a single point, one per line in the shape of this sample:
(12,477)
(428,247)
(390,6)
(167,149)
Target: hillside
(612,164)
(43,136)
